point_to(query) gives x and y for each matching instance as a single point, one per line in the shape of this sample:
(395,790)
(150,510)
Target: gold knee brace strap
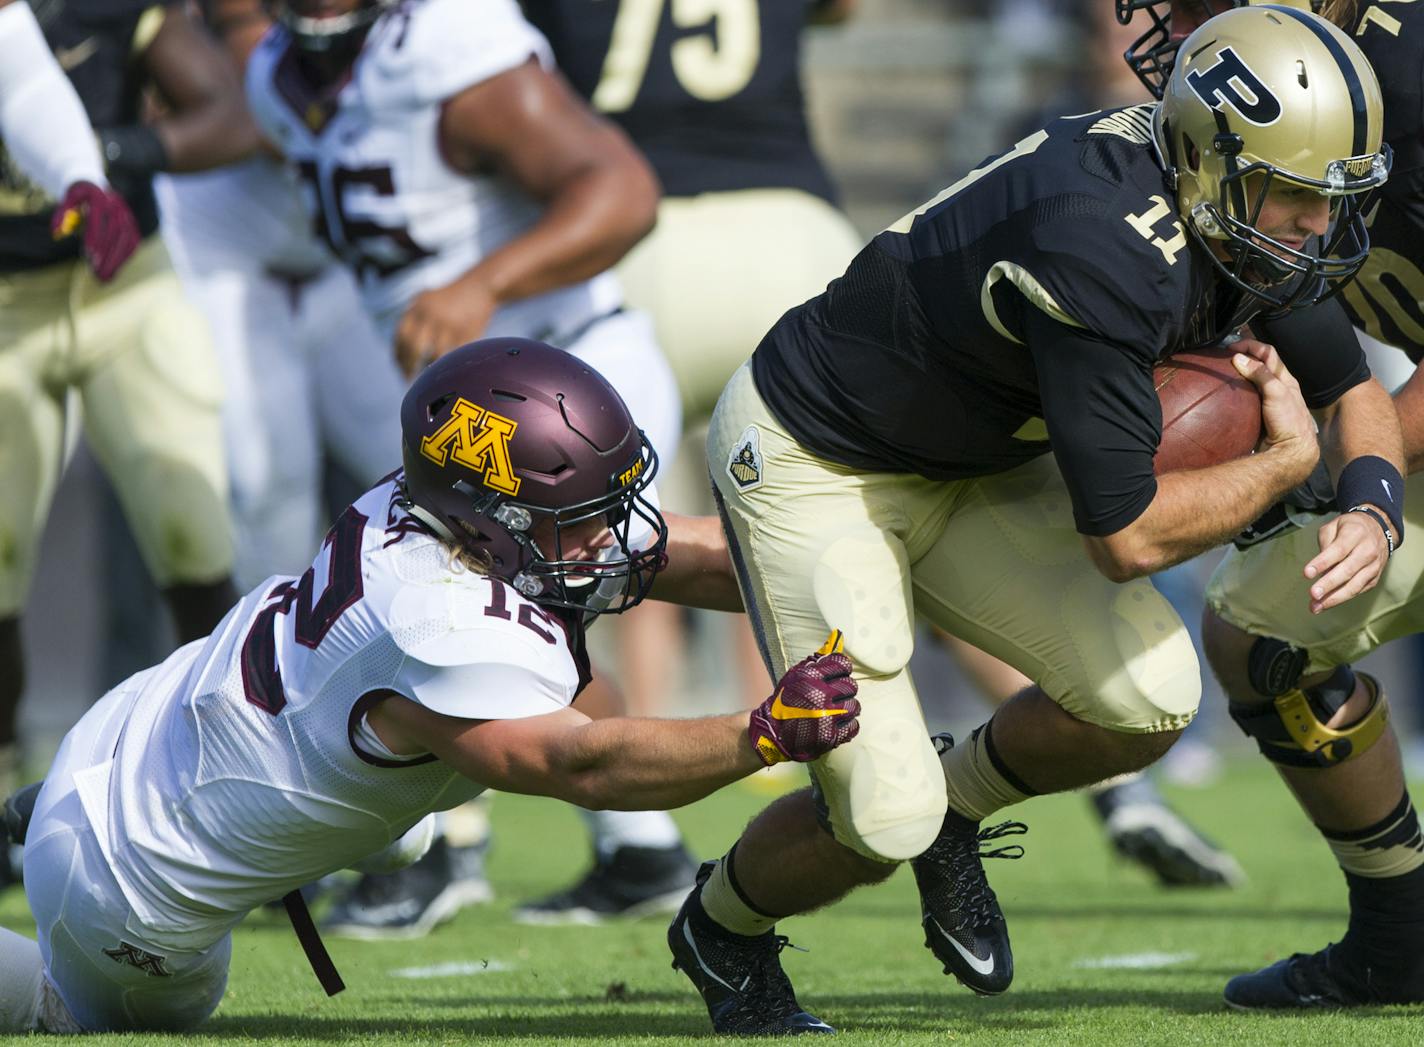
(1291,731)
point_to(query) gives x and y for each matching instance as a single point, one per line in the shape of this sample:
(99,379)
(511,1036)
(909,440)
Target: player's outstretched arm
(42,120)
(699,568)
(637,764)
(1197,509)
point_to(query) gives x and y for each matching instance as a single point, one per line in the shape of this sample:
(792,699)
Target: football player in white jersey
(306,373)
(432,650)
(473,194)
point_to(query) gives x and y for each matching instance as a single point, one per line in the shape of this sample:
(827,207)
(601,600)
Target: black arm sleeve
(1104,421)
(1320,347)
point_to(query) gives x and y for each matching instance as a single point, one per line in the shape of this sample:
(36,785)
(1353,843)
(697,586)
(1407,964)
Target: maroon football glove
(110,230)
(812,711)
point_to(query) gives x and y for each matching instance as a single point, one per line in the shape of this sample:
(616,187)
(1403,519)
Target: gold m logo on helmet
(478,440)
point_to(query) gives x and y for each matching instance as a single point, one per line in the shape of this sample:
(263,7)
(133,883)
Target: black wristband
(134,149)
(1371,480)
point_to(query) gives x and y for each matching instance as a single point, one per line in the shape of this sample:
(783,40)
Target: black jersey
(1387,298)
(710,93)
(99,45)
(1021,311)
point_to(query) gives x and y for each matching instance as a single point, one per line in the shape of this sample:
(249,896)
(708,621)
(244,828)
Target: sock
(1389,848)
(1384,868)
(976,779)
(1385,935)
(21,981)
(725,905)
(614,829)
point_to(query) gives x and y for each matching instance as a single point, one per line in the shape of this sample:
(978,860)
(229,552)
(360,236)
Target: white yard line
(1136,961)
(451,970)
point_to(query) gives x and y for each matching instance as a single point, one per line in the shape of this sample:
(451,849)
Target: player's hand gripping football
(1289,428)
(812,710)
(109,228)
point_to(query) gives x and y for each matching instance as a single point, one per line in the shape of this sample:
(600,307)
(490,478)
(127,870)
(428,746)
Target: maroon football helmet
(508,444)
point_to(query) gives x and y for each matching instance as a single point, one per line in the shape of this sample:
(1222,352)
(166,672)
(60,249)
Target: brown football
(1210,414)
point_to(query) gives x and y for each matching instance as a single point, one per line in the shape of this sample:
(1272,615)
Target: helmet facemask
(1151,55)
(619,577)
(1278,274)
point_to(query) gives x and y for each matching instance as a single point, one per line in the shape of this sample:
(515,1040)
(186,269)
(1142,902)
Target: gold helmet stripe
(1347,69)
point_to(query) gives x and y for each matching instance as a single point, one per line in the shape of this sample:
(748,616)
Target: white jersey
(243,216)
(373,171)
(244,769)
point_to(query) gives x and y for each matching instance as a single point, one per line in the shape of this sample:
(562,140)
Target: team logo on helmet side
(1232,82)
(630,474)
(478,439)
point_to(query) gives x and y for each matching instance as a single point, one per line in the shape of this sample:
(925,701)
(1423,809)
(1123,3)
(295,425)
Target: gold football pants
(142,361)
(994,560)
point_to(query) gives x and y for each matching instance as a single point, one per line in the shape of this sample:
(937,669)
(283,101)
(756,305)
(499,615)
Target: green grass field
(1103,956)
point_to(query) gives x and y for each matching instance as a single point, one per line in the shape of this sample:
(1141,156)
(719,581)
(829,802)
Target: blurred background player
(137,355)
(1271,655)
(49,141)
(747,228)
(307,376)
(471,193)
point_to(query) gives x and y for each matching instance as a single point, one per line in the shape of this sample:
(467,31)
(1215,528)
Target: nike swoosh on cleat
(782,711)
(696,955)
(982,966)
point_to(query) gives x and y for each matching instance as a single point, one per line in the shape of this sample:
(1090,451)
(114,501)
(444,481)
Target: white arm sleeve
(42,120)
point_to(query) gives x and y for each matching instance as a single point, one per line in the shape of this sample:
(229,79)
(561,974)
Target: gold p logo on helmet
(1231,82)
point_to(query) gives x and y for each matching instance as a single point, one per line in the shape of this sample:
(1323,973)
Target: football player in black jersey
(50,139)
(955,419)
(1271,655)
(715,103)
(135,351)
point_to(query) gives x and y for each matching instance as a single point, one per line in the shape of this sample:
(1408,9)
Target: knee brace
(1292,730)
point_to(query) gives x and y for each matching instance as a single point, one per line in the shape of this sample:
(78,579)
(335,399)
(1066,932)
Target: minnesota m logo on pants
(479,440)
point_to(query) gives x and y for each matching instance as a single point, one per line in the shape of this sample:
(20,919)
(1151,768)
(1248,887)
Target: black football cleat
(410,903)
(630,883)
(739,978)
(1320,980)
(964,926)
